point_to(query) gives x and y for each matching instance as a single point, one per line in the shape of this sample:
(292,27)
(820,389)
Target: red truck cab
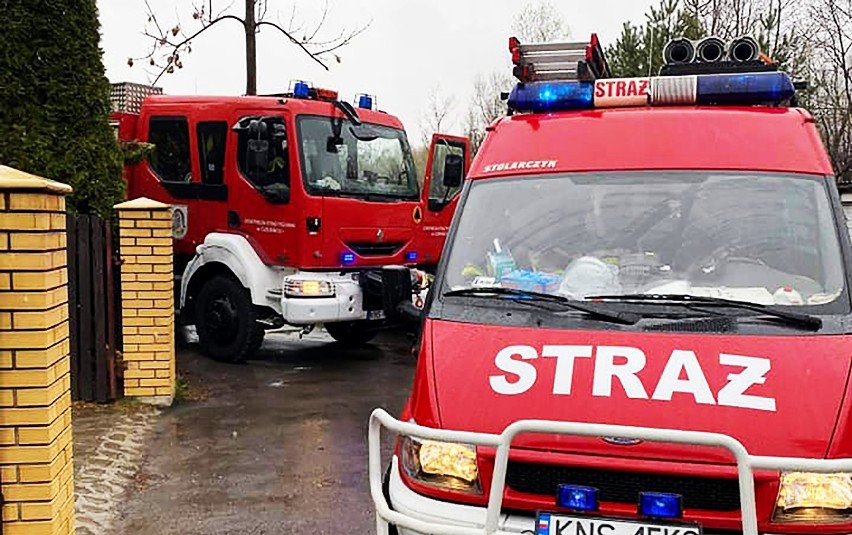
(641,323)
(283,205)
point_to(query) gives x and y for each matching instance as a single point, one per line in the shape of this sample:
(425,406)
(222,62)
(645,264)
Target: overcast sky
(411,46)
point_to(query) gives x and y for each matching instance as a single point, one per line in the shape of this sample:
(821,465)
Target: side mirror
(331,144)
(453,171)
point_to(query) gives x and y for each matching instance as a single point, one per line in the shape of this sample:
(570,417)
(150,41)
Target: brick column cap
(15,179)
(142,203)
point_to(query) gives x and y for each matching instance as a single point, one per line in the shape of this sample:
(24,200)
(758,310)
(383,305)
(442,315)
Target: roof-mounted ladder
(547,62)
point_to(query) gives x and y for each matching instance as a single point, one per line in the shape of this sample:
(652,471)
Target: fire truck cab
(641,322)
(287,207)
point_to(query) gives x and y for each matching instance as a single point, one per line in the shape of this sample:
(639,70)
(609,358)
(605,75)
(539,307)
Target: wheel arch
(230,255)
(199,277)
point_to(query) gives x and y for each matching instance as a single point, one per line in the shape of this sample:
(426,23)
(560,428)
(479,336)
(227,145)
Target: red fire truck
(642,321)
(285,207)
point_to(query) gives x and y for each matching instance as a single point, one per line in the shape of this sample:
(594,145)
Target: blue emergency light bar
(761,88)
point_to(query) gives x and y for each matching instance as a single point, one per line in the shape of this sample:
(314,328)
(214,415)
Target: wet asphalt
(279,445)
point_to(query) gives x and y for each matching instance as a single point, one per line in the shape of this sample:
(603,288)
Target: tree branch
(345,41)
(320,23)
(153,17)
(178,46)
(295,41)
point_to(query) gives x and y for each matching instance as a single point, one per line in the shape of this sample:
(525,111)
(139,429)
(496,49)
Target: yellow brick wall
(36,473)
(147,300)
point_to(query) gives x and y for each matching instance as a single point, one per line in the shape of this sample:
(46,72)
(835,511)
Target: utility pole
(251,47)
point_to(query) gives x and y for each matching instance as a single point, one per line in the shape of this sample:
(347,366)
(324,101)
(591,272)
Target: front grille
(375,249)
(711,494)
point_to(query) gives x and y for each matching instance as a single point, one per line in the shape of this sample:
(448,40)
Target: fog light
(308,288)
(660,505)
(577,498)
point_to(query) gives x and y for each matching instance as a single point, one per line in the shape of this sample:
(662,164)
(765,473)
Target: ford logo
(622,441)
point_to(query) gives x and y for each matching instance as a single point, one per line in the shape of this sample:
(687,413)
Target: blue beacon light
(365,102)
(577,498)
(660,505)
(347,258)
(301,90)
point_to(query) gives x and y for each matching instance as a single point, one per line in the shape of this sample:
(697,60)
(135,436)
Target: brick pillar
(36,474)
(147,300)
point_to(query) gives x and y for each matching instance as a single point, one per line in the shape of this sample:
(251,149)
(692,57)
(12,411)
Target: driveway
(278,445)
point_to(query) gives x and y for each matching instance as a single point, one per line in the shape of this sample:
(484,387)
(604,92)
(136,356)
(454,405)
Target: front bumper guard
(746,464)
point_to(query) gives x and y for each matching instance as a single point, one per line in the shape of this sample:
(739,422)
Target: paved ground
(277,446)
(108,448)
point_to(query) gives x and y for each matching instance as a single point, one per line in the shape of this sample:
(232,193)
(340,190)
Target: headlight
(814,497)
(308,288)
(441,464)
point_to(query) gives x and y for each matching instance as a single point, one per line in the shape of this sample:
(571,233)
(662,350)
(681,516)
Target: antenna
(651,56)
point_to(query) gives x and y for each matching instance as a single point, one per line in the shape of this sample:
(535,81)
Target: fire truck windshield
(335,162)
(755,237)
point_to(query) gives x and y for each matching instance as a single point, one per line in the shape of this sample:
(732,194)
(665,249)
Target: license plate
(375,314)
(559,524)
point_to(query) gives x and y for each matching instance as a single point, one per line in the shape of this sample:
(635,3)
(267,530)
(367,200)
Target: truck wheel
(226,322)
(352,333)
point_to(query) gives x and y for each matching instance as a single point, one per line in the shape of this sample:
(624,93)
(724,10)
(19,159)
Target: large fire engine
(286,207)
(641,323)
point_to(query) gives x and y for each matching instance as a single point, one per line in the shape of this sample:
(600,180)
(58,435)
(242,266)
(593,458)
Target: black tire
(352,333)
(257,336)
(226,321)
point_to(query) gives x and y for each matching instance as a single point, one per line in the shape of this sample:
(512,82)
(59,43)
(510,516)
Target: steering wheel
(723,254)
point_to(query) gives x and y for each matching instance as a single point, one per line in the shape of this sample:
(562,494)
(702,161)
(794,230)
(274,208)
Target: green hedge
(54,100)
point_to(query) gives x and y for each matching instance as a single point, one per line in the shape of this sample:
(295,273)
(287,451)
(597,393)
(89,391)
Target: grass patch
(186,390)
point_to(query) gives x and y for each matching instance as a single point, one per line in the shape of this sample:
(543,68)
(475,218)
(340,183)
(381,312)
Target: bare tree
(486,105)
(811,39)
(437,117)
(830,98)
(537,22)
(776,24)
(170,43)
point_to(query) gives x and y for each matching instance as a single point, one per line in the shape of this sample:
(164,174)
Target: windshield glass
(336,162)
(754,237)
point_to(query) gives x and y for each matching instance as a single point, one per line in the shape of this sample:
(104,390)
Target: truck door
(439,201)
(186,171)
(264,193)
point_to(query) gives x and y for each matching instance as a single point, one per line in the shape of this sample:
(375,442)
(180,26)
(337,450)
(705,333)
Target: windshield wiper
(794,318)
(626,318)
